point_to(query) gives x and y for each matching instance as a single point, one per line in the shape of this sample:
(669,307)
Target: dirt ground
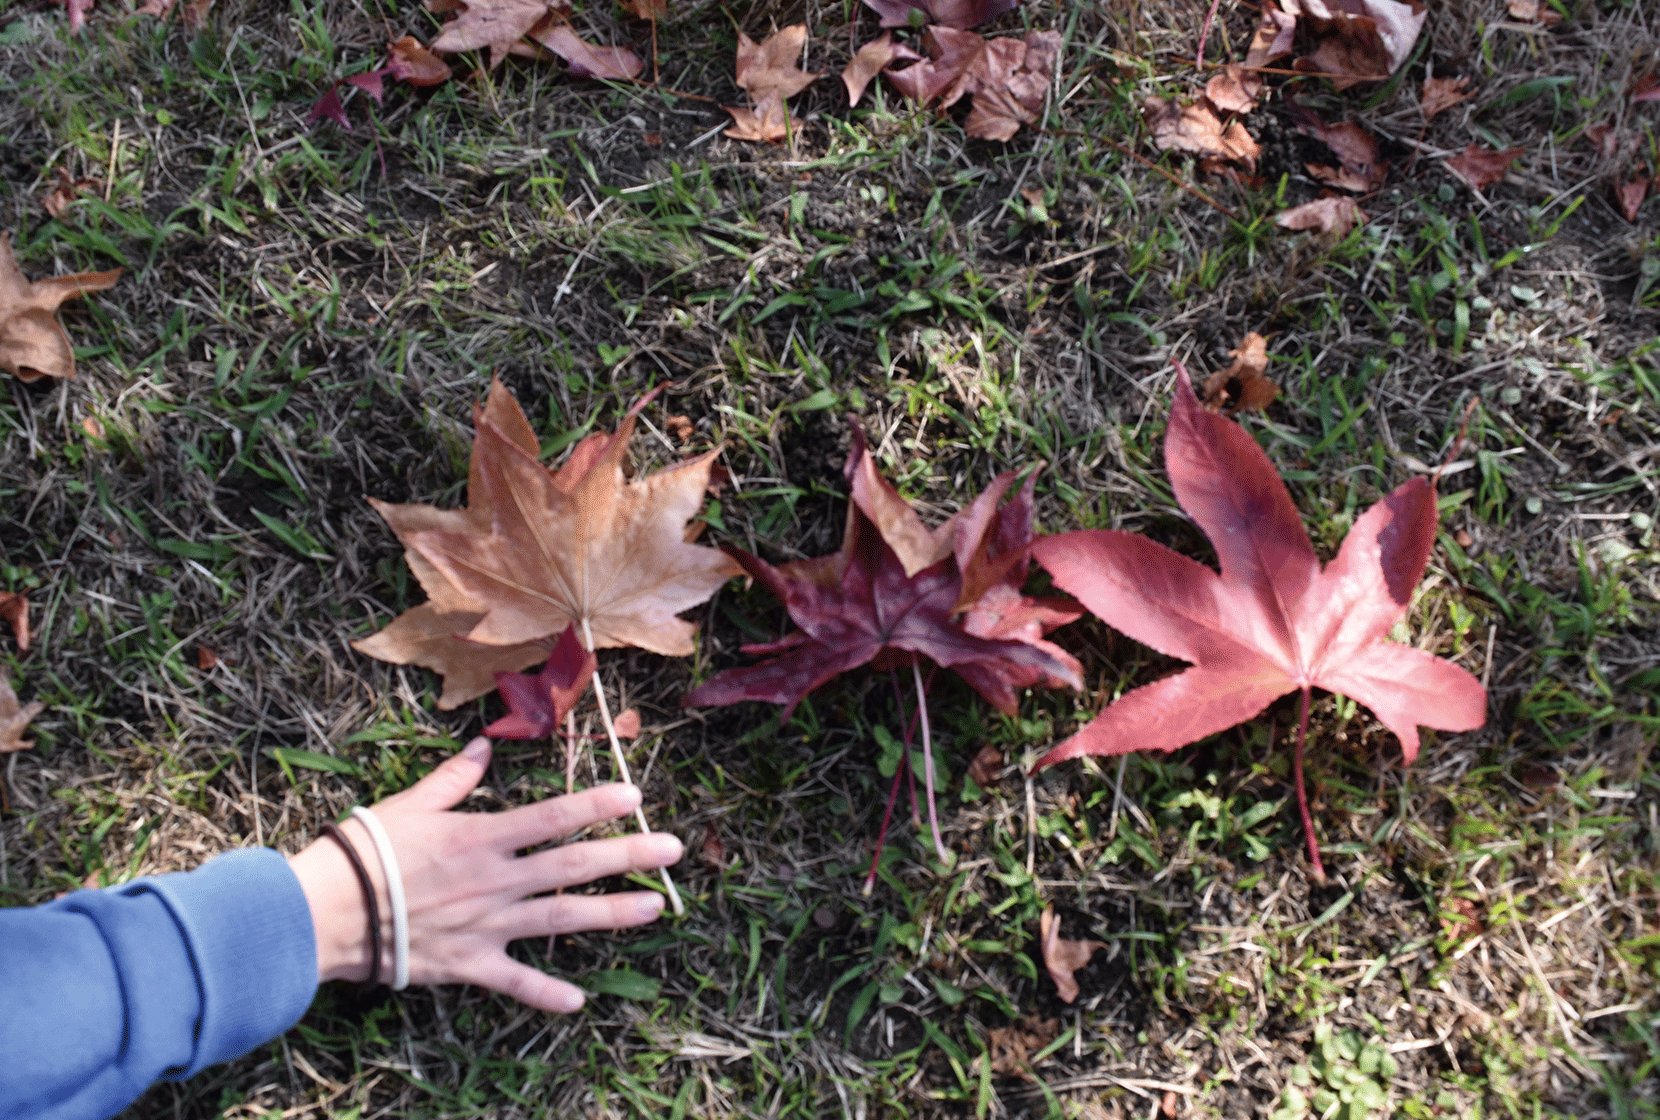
(309,317)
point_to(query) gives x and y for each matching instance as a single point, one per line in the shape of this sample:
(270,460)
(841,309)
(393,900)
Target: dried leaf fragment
(1011,1047)
(68,188)
(1336,215)
(1244,386)
(1441,94)
(986,765)
(1273,37)
(1008,77)
(33,343)
(1196,128)
(1354,147)
(871,59)
(1459,920)
(1063,956)
(1359,40)
(1481,167)
(14,718)
(1233,89)
(14,608)
(1630,197)
(1533,11)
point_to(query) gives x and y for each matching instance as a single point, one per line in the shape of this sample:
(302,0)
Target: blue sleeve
(102,993)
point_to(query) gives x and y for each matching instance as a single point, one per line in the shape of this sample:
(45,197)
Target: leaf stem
(1318,869)
(622,769)
(928,761)
(882,834)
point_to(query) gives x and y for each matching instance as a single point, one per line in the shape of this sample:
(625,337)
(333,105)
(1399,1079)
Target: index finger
(558,817)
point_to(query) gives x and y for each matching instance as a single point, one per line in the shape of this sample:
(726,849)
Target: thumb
(454,779)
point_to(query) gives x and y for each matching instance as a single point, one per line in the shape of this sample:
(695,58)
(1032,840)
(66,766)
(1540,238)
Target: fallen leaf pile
(537,551)
(32,341)
(1275,621)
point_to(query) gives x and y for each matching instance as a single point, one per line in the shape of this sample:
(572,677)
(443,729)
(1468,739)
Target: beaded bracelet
(332,831)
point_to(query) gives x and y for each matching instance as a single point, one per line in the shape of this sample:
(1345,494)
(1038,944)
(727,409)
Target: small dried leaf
(986,766)
(1460,920)
(1352,145)
(770,67)
(1243,386)
(68,188)
(1196,128)
(627,724)
(1011,1046)
(1062,956)
(14,718)
(679,427)
(1233,90)
(1630,197)
(1481,167)
(768,121)
(1441,94)
(207,658)
(609,64)
(873,58)
(1336,215)
(409,61)
(1273,36)
(1533,11)
(32,341)
(14,608)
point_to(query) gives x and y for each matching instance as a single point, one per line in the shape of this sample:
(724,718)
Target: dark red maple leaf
(538,701)
(866,605)
(1274,621)
(898,592)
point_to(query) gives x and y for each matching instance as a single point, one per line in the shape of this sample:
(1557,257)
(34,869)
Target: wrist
(339,913)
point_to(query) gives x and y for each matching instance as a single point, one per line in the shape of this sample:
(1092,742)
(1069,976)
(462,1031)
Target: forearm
(108,991)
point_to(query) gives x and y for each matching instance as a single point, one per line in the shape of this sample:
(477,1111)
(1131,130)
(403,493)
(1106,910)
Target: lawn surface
(308,317)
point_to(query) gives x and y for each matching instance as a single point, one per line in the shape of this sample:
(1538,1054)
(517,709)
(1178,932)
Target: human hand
(468,894)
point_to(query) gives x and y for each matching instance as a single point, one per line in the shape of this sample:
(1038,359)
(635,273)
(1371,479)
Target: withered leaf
(871,59)
(897,589)
(769,122)
(1008,77)
(14,608)
(1243,386)
(1196,128)
(1273,37)
(585,59)
(14,718)
(1336,215)
(1533,11)
(1481,167)
(32,341)
(958,14)
(767,71)
(1233,89)
(407,60)
(1630,197)
(1063,956)
(1441,94)
(1011,1047)
(68,188)
(536,551)
(1353,146)
(986,765)
(504,26)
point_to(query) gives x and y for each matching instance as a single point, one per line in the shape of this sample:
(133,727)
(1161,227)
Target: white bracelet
(394,890)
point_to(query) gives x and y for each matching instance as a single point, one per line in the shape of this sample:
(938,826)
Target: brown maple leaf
(1008,77)
(1233,90)
(14,718)
(14,608)
(1196,128)
(1354,147)
(1441,94)
(32,341)
(1243,386)
(538,550)
(767,71)
(1063,956)
(1358,40)
(1273,37)
(504,26)
(1480,167)
(1335,215)
(873,58)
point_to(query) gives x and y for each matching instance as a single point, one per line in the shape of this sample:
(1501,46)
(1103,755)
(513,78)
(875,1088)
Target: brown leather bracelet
(332,831)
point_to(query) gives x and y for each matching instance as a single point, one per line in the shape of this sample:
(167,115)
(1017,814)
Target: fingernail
(628,797)
(572,1001)
(666,847)
(478,750)
(648,906)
